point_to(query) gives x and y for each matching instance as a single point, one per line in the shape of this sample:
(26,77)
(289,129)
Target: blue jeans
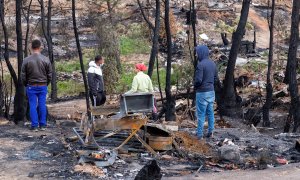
(205,107)
(37,100)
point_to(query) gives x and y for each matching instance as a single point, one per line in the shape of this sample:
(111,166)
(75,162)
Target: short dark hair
(98,58)
(35,44)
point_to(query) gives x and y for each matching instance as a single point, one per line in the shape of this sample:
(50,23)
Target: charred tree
(80,57)
(14,79)
(170,103)
(194,21)
(50,51)
(231,105)
(269,96)
(19,100)
(158,79)
(6,48)
(26,16)
(292,66)
(155,37)
(48,37)
(224,39)
(151,26)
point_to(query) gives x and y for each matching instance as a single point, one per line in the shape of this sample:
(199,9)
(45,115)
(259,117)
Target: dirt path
(291,172)
(261,24)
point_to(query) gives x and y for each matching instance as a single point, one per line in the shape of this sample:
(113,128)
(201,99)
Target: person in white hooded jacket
(95,81)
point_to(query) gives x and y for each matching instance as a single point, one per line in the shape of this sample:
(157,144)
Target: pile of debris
(75,76)
(190,143)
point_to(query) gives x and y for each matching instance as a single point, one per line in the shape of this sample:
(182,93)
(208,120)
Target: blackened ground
(43,154)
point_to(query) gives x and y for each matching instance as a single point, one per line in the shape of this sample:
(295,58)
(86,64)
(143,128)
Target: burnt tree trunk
(14,79)
(50,51)
(48,37)
(6,48)
(27,28)
(224,39)
(292,68)
(230,105)
(80,57)
(155,37)
(170,103)
(268,103)
(158,79)
(19,100)
(194,21)
(151,26)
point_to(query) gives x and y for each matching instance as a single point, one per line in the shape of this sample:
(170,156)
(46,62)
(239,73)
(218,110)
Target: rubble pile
(75,76)
(90,169)
(191,144)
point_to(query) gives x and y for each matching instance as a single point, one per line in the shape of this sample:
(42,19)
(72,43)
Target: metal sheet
(136,103)
(119,124)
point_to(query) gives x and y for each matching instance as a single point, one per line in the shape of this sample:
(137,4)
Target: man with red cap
(141,82)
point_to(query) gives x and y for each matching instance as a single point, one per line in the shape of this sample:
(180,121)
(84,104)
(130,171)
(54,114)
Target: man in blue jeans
(205,76)
(36,75)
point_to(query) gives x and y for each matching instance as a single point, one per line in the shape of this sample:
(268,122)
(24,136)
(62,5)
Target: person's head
(99,60)
(202,52)
(140,67)
(36,45)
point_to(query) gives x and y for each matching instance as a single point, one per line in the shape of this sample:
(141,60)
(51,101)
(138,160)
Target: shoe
(35,129)
(209,135)
(43,128)
(200,138)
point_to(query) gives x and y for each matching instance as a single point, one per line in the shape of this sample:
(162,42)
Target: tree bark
(194,19)
(292,68)
(19,101)
(155,37)
(230,106)
(80,57)
(51,55)
(111,13)
(170,103)
(158,79)
(48,37)
(27,28)
(6,48)
(269,96)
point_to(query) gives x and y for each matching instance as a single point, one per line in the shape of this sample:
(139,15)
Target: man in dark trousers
(205,77)
(95,81)
(36,75)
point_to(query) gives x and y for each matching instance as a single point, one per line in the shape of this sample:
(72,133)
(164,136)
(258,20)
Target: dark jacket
(96,85)
(36,68)
(95,78)
(206,72)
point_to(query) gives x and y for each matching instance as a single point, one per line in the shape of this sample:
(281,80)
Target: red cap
(141,67)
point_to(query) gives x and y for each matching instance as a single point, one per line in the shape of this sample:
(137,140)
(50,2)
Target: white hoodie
(94,68)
